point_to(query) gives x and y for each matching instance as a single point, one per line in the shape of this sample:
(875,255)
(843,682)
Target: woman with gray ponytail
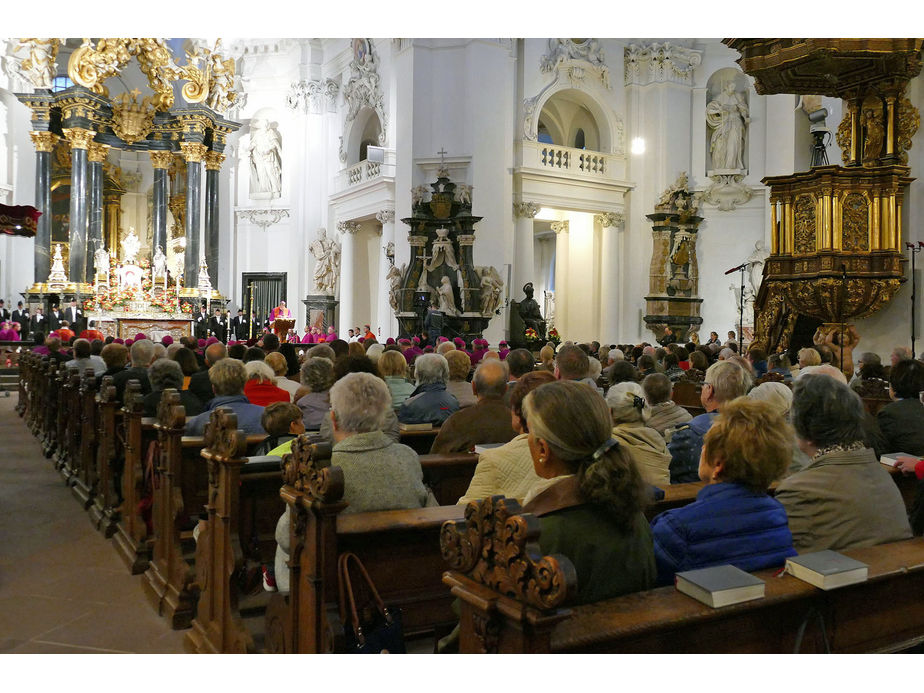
(590,501)
(644,445)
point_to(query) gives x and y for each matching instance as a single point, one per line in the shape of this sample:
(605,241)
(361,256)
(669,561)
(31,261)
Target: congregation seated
(724,382)
(282,422)
(663,412)
(779,364)
(460,365)
(519,363)
(901,422)
(807,358)
(508,470)
(83,359)
(53,344)
(166,374)
(280,366)
(142,353)
(591,500)
(317,378)
(115,356)
(260,388)
(572,363)
(187,361)
(359,364)
(430,401)
(672,368)
(378,473)
(393,367)
(870,379)
(843,498)
(646,366)
(199,383)
(488,421)
(757,357)
(644,445)
(547,358)
(699,362)
(779,397)
(732,520)
(228,378)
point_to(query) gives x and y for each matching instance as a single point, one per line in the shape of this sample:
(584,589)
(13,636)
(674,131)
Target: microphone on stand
(736,269)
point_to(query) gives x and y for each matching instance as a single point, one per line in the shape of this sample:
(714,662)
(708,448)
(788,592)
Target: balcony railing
(362,172)
(568,161)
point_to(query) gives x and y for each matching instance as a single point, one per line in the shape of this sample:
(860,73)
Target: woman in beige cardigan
(645,445)
(508,470)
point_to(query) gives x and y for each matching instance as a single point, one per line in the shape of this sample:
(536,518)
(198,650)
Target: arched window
(543,134)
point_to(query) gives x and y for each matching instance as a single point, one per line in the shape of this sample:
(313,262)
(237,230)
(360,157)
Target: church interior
(750,205)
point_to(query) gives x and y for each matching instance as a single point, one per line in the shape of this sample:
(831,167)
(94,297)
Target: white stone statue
(394,277)
(221,81)
(727,115)
(491,286)
(57,267)
(464,194)
(101,261)
(442,252)
(418,194)
(160,262)
(265,151)
(748,313)
(756,262)
(327,268)
(447,300)
(39,66)
(130,247)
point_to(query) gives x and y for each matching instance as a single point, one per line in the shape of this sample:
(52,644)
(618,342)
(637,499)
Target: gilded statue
(873,135)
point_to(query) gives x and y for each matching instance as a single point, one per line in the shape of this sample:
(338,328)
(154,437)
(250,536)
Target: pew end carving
(510,594)
(104,513)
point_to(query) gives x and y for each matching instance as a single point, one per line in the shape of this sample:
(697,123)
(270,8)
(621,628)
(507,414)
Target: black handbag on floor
(383,632)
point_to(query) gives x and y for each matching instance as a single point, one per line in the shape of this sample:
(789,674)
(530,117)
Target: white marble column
(610,259)
(561,277)
(348,230)
(387,324)
(524,264)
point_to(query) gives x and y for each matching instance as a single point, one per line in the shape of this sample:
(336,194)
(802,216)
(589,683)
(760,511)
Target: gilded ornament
(97,152)
(909,120)
(855,222)
(40,66)
(804,232)
(843,133)
(132,121)
(193,152)
(213,161)
(79,138)
(871,123)
(161,159)
(43,141)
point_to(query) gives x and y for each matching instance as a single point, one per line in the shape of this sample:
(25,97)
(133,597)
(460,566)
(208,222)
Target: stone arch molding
(363,90)
(568,74)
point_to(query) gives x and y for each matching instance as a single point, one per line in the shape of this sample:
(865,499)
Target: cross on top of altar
(443,170)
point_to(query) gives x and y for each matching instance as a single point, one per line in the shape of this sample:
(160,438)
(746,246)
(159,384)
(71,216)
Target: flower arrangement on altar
(554,337)
(531,335)
(166,302)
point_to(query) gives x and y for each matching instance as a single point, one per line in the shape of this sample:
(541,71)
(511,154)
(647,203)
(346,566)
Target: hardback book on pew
(721,585)
(827,569)
(415,427)
(892,459)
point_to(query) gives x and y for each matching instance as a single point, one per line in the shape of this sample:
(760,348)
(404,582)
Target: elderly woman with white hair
(644,445)
(430,402)
(261,388)
(378,474)
(779,397)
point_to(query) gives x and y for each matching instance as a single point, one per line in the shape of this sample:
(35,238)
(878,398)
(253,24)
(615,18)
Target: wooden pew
(419,441)
(449,475)
(686,394)
(25,374)
(131,539)
(104,513)
(512,601)
(399,548)
(68,425)
(84,452)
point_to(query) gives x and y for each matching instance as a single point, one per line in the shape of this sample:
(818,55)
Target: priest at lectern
(282,321)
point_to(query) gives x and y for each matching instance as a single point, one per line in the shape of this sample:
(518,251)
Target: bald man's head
(215,353)
(490,379)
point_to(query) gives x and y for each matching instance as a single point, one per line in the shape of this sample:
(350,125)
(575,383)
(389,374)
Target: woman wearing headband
(590,501)
(732,520)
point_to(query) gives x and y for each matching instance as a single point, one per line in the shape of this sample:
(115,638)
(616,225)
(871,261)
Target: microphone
(736,269)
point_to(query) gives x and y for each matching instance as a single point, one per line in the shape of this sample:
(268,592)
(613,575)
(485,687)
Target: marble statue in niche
(491,286)
(446,298)
(130,247)
(728,117)
(160,262)
(265,152)
(327,268)
(101,261)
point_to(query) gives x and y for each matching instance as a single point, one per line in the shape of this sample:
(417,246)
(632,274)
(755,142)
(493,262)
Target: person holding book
(902,420)
(843,498)
(733,520)
(591,500)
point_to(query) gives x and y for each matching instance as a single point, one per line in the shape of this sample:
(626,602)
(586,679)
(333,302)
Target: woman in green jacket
(590,501)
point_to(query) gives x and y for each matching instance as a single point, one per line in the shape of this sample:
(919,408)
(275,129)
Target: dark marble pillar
(96,155)
(161,162)
(193,152)
(213,162)
(44,144)
(79,220)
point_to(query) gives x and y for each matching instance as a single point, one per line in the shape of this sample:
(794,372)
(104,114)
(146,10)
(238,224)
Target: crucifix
(422,285)
(442,171)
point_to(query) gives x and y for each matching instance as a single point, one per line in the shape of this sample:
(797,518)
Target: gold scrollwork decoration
(213,161)
(79,138)
(909,120)
(842,137)
(193,152)
(804,232)
(43,141)
(161,159)
(132,121)
(855,222)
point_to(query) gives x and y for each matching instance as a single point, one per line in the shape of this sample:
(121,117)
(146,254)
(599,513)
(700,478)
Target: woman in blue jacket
(732,520)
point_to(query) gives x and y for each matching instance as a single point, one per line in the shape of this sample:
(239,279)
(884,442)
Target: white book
(893,458)
(827,569)
(719,586)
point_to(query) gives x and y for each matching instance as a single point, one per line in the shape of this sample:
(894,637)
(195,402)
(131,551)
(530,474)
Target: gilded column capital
(610,219)
(350,227)
(44,141)
(97,151)
(213,161)
(161,159)
(79,138)
(559,226)
(525,209)
(193,152)
(386,216)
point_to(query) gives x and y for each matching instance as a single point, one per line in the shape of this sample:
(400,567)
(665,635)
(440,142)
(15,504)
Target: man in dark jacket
(199,383)
(488,421)
(21,315)
(142,353)
(201,329)
(429,403)
(724,382)
(902,421)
